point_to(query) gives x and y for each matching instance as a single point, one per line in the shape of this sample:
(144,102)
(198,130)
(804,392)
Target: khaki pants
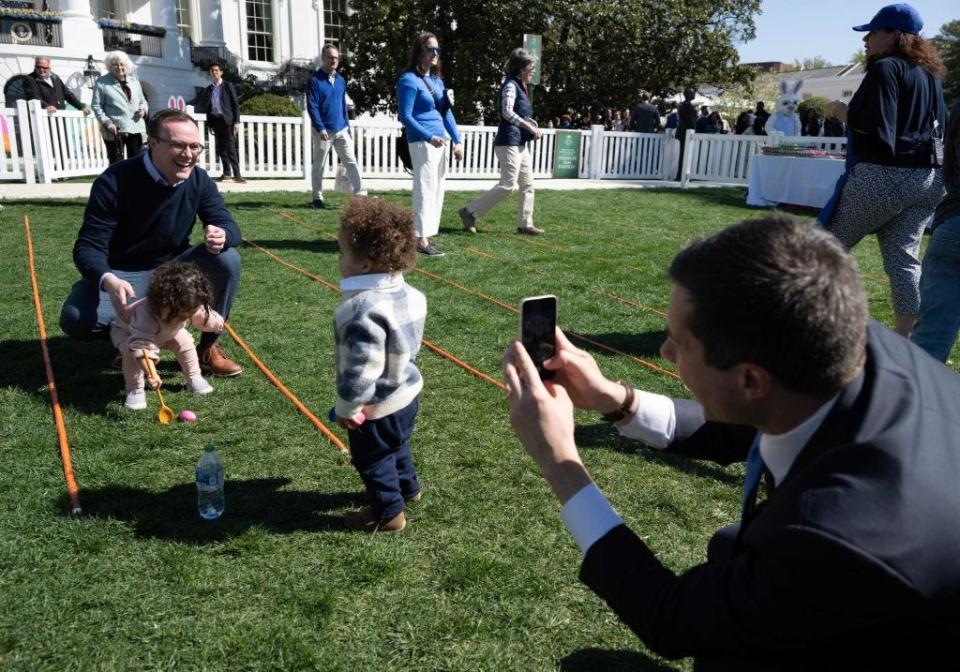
(429,172)
(516,170)
(342,142)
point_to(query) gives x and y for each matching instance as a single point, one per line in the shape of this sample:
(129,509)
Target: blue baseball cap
(900,17)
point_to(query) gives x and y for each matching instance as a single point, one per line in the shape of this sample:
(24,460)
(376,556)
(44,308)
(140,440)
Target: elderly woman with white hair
(120,107)
(512,147)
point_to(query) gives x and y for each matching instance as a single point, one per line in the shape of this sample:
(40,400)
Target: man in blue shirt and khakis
(327,105)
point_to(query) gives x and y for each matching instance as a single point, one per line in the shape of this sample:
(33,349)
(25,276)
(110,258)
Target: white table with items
(796,180)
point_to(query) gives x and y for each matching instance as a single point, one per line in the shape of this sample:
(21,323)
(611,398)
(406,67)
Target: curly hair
(918,50)
(381,232)
(177,287)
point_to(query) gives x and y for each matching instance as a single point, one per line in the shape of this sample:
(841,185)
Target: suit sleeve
(234,103)
(69,96)
(213,211)
(97,106)
(30,89)
(812,589)
(697,438)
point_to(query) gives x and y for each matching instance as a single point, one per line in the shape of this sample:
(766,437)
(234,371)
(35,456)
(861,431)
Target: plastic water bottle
(210,501)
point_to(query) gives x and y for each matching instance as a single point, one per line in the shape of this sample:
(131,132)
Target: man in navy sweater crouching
(139,215)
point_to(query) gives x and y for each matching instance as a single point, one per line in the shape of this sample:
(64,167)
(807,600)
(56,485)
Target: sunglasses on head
(432,50)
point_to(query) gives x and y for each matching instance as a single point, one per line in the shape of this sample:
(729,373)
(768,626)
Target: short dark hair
(780,293)
(381,232)
(176,287)
(519,59)
(167,116)
(216,64)
(417,51)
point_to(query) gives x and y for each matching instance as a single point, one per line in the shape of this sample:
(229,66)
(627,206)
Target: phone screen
(538,322)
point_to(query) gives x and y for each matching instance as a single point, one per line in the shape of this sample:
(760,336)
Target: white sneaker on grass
(136,400)
(199,386)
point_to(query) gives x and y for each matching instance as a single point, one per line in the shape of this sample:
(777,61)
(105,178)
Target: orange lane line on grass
(573,334)
(435,348)
(642,362)
(73,491)
(338,444)
(630,303)
(537,271)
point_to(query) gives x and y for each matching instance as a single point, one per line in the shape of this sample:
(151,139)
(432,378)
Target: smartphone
(538,323)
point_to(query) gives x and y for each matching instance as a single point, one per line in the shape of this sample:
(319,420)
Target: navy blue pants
(381,453)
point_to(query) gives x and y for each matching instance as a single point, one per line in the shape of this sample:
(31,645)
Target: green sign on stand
(533,44)
(566,155)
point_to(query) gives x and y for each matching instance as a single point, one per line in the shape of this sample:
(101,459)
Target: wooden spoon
(165,414)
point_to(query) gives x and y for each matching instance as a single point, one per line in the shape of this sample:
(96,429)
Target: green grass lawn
(484,576)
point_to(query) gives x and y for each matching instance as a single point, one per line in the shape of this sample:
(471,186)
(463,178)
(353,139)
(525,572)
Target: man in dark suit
(43,85)
(646,117)
(223,113)
(687,120)
(847,552)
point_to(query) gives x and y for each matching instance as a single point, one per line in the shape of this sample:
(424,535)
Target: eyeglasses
(181,147)
(432,50)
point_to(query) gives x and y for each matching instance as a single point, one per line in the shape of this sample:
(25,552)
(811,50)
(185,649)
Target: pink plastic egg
(187,415)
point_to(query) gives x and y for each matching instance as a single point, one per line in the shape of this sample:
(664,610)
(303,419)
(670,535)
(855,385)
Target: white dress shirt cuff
(654,423)
(588,516)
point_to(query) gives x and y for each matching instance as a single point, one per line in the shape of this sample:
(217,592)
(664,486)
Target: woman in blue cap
(893,181)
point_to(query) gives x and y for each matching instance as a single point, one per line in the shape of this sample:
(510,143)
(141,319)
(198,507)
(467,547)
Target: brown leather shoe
(214,360)
(239,180)
(221,178)
(365,521)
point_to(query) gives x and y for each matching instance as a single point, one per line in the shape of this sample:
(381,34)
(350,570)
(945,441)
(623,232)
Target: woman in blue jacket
(512,147)
(120,107)
(425,112)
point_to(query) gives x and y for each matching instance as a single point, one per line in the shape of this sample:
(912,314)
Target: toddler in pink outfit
(179,294)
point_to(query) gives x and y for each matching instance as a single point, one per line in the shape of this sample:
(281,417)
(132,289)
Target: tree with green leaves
(596,53)
(948,42)
(815,63)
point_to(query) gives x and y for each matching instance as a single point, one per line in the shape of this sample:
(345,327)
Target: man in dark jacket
(223,112)
(688,120)
(49,89)
(646,117)
(845,554)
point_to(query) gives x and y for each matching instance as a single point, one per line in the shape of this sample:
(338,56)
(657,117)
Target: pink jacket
(145,330)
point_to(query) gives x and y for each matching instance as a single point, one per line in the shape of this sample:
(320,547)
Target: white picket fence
(726,158)
(38,146)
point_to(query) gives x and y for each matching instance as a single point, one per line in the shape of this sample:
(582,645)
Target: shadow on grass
(642,344)
(729,196)
(602,435)
(600,660)
(172,514)
(320,246)
(80,368)
(74,203)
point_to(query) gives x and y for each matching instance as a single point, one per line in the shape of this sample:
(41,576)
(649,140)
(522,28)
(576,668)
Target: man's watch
(625,407)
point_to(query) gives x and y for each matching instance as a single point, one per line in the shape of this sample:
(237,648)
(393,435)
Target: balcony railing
(132,43)
(37,32)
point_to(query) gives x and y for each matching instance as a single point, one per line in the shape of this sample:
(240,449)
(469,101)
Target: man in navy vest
(327,106)
(845,556)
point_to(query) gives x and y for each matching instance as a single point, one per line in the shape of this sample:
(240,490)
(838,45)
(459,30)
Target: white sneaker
(199,386)
(136,400)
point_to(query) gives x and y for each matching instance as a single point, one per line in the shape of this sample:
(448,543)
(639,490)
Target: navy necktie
(755,467)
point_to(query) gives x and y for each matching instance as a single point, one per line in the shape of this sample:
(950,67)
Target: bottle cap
(208,448)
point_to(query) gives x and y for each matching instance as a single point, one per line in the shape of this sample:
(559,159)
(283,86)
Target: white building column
(164,14)
(211,23)
(79,29)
